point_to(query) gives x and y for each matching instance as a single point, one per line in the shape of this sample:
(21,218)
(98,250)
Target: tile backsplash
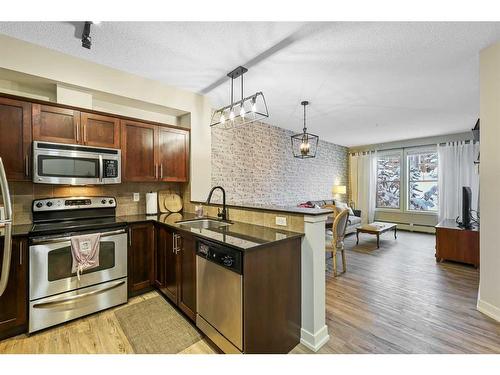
(23,194)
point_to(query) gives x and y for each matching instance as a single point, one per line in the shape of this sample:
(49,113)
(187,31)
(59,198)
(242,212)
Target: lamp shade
(339,189)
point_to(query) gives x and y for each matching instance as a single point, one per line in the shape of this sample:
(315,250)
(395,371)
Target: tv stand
(456,243)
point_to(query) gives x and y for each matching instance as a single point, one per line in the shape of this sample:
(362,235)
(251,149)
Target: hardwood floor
(95,334)
(395,299)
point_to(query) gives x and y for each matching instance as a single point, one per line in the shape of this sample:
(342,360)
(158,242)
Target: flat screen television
(466,203)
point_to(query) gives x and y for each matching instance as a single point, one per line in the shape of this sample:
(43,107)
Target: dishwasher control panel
(221,255)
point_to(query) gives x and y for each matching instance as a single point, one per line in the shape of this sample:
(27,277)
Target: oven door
(75,165)
(51,261)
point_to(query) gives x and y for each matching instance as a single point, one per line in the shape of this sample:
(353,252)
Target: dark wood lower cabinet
(166,263)
(141,260)
(13,302)
(272,298)
(175,271)
(187,276)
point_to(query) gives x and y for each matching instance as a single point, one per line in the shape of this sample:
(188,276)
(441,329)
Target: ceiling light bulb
(231,115)
(304,147)
(222,118)
(254,106)
(242,112)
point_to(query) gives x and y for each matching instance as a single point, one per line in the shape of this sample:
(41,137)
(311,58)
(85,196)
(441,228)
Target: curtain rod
(404,148)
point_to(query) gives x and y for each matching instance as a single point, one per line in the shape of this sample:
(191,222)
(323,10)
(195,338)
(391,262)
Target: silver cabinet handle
(161,171)
(177,247)
(65,301)
(21,249)
(78,133)
(26,165)
(129,237)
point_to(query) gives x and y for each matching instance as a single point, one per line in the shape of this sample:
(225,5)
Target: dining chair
(335,238)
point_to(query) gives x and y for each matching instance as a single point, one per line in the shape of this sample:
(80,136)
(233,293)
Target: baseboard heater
(411,226)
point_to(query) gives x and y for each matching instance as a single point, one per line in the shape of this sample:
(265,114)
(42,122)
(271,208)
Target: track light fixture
(86,38)
(304,145)
(244,111)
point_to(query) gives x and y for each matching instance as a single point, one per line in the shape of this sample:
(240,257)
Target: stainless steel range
(56,294)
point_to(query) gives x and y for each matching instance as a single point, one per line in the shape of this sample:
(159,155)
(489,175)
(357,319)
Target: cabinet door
(13,303)
(169,263)
(173,154)
(140,257)
(187,277)
(100,131)
(53,124)
(15,138)
(139,148)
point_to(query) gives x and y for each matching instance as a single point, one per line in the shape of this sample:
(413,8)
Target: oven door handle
(64,239)
(66,301)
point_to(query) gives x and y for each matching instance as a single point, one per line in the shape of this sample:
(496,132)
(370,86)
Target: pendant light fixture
(244,111)
(304,145)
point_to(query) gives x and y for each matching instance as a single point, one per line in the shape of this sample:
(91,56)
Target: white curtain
(456,169)
(363,177)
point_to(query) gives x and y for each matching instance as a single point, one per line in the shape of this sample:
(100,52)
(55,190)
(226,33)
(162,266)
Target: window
(422,181)
(388,181)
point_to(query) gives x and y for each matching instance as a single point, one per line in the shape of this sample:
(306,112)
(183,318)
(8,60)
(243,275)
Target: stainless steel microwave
(65,164)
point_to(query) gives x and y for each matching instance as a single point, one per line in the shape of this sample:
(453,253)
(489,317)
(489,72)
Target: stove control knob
(111,201)
(228,261)
(49,204)
(39,205)
(103,201)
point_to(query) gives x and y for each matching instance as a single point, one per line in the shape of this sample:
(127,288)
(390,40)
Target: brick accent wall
(254,163)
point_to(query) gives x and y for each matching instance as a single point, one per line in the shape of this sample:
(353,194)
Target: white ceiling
(368,82)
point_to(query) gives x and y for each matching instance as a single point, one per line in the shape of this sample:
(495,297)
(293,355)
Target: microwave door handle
(101,167)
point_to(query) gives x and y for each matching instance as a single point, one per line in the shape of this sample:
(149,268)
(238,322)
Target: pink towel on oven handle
(85,252)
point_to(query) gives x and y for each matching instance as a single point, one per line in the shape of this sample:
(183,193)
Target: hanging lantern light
(304,145)
(244,111)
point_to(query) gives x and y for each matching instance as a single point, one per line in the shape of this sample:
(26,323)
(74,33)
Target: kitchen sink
(204,224)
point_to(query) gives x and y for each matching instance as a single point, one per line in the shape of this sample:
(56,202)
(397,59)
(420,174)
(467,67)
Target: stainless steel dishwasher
(219,291)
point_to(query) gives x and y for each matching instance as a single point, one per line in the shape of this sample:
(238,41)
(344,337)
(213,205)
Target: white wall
(40,62)
(489,285)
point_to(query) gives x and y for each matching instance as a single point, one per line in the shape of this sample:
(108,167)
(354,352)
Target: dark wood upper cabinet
(55,124)
(139,151)
(13,302)
(141,257)
(100,131)
(173,149)
(15,138)
(187,277)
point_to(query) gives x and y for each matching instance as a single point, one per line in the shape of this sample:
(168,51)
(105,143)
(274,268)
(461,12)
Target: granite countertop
(18,230)
(240,235)
(287,209)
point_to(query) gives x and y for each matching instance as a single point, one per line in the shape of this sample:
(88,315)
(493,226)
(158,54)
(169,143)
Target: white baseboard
(314,341)
(488,309)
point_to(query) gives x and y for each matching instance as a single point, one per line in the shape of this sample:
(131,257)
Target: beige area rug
(153,326)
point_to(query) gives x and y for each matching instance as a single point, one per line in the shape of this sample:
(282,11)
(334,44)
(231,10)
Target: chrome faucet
(222,214)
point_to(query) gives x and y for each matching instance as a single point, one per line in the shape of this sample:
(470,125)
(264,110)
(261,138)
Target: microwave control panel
(110,168)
